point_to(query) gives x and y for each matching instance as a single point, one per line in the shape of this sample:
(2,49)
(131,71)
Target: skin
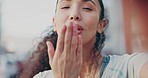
(73,55)
(144,71)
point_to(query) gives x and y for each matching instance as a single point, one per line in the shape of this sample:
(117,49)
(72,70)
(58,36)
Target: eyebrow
(90,1)
(82,0)
(64,0)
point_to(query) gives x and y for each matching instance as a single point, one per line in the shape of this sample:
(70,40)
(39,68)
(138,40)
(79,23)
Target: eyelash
(89,9)
(65,7)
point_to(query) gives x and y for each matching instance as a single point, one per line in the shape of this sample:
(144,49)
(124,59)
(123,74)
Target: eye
(65,7)
(88,9)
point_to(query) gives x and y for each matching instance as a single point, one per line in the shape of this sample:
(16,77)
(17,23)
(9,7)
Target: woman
(75,44)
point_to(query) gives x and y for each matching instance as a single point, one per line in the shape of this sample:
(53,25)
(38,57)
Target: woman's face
(81,13)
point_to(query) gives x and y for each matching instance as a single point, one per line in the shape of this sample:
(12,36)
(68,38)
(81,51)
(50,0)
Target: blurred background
(23,21)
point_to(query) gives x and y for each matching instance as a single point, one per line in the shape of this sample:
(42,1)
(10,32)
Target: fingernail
(48,43)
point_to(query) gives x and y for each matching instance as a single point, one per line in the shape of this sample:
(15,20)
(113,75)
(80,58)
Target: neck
(88,50)
(91,65)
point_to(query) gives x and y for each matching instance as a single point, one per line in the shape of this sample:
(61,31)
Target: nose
(75,15)
(74,18)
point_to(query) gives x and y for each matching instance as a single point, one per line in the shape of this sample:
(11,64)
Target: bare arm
(144,71)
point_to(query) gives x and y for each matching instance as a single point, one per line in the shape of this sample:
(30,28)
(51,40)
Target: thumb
(51,52)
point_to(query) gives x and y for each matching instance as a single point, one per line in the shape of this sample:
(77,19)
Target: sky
(23,21)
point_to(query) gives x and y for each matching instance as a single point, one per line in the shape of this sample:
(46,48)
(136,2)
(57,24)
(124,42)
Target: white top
(125,66)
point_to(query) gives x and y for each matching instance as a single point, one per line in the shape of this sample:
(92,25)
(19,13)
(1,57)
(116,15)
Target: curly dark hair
(41,55)
(52,37)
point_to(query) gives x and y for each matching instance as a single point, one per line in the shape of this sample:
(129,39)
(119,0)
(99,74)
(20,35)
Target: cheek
(91,17)
(91,21)
(59,21)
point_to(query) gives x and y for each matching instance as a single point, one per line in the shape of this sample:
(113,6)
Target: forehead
(95,2)
(79,0)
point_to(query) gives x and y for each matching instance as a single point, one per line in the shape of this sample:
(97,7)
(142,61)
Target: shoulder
(45,74)
(144,70)
(125,65)
(135,59)
(117,66)
(138,64)
(131,58)
(139,59)
(118,59)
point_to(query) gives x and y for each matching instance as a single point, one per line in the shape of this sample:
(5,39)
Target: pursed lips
(79,28)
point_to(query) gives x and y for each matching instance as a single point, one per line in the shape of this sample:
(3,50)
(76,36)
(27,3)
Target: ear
(54,24)
(102,25)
